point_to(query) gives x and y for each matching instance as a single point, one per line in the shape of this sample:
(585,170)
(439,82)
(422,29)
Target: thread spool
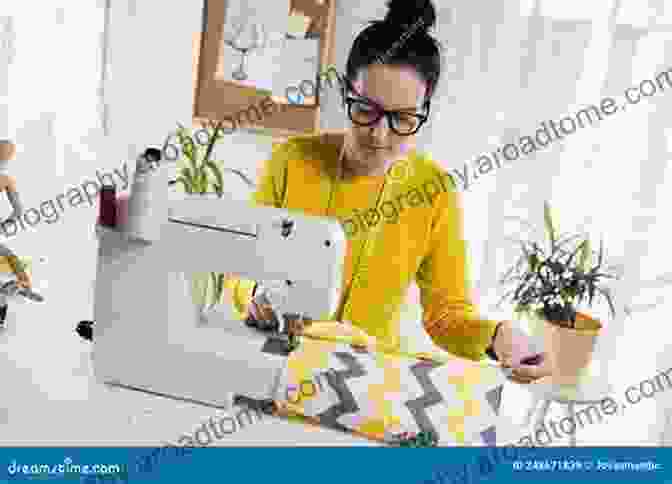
(107,215)
(148,201)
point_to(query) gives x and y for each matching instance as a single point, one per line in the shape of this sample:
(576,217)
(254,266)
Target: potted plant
(198,175)
(551,286)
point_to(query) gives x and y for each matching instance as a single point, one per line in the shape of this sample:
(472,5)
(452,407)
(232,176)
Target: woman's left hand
(513,347)
(23,280)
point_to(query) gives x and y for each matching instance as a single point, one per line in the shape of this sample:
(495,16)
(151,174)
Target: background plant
(198,174)
(553,282)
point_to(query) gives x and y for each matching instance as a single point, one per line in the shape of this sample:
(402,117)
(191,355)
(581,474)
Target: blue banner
(337,465)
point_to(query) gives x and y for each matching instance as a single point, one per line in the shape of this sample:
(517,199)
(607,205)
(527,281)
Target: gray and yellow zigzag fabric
(380,395)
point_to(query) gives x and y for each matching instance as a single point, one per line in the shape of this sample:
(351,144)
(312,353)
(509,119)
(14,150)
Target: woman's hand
(258,312)
(261,316)
(515,350)
(23,280)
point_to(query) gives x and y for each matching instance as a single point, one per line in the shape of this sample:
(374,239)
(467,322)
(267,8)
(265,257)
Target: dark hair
(402,38)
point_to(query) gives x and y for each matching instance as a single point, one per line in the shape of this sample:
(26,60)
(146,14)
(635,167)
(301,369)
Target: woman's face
(393,88)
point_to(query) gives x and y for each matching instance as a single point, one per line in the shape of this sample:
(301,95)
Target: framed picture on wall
(249,52)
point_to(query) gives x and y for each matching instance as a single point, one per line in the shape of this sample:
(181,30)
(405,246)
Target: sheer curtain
(509,69)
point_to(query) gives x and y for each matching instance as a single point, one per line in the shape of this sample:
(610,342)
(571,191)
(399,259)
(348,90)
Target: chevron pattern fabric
(380,395)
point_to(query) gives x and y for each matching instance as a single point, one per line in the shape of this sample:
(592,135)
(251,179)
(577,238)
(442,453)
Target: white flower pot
(570,351)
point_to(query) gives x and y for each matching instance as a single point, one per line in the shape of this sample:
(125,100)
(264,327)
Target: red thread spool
(108,206)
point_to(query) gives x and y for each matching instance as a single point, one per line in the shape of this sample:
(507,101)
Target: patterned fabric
(381,395)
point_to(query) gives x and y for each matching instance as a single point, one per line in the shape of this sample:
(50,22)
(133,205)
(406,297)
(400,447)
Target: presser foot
(290,335)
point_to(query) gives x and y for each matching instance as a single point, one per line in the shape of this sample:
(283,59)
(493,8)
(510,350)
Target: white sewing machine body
(148,331)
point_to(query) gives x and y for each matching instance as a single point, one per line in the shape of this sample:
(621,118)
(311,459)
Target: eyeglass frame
(347,86)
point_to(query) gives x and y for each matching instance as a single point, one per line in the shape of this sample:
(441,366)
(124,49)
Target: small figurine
(7,182)
(22,286)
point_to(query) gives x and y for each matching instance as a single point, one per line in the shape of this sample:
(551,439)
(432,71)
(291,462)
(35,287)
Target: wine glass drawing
(247,36)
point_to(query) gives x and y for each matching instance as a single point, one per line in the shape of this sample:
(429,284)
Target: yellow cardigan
(415,234)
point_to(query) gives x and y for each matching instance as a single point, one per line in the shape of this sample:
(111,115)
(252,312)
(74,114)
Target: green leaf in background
(185,183)
(193,170)
(578,251)
(220,287)
(218,184)
(585,255)
(186,173)
(188,146)
(203,181)
(213,280)
(607,295)
(215,132)
(548,222)
(533,262)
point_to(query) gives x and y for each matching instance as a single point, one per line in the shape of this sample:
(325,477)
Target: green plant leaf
(562,241)
(607,295)
(189,149)
(185,183)
(213,283)
(585,255)
(591,292)
(186,173)
(604,276)
(202,182)
(526,252)
(548,222)
(188,146)
(574,253)
(213,141)
(219,179)
(217,132)
(220,287)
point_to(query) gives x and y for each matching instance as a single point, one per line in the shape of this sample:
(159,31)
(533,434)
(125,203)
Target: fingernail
(254,312)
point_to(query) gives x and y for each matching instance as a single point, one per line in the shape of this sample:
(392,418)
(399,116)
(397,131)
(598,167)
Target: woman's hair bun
(407,13)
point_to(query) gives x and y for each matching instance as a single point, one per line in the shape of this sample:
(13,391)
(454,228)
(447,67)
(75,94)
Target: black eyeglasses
(364,112)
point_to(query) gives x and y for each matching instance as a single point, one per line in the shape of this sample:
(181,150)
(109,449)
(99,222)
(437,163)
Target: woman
(398,208)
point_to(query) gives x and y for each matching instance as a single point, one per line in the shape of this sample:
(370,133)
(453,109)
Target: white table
(51,397)
(590,390)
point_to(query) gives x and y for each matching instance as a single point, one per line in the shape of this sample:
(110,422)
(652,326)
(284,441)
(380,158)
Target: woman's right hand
(259,312)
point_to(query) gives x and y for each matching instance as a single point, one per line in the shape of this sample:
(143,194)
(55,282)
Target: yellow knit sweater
(415,233)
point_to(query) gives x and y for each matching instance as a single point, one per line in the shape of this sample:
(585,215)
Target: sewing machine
(149,334)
